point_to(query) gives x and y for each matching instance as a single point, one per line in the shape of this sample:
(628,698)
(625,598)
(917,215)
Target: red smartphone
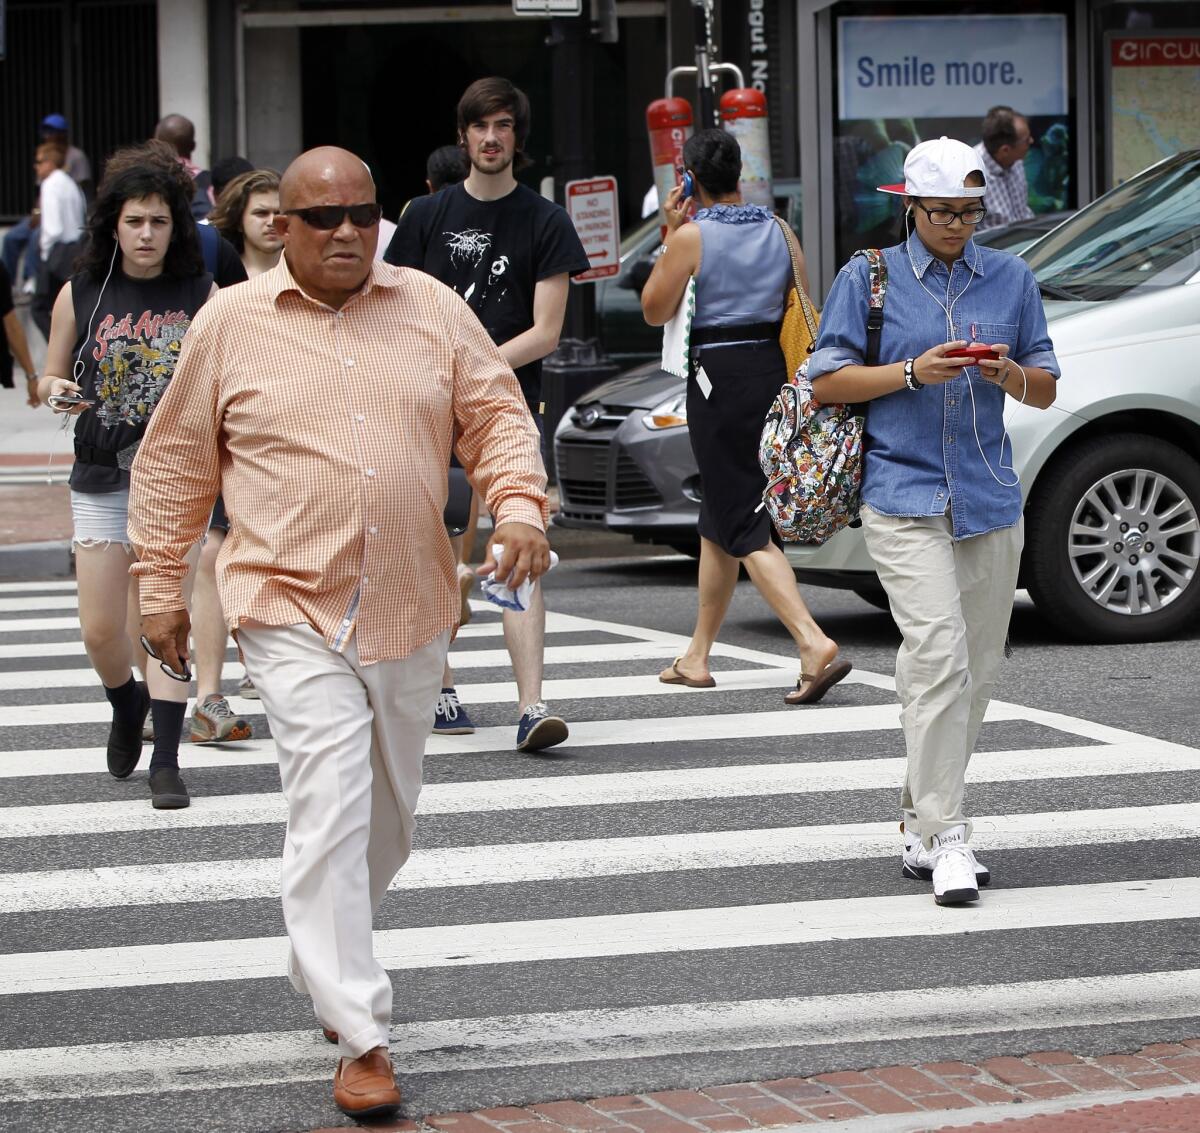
(980,351)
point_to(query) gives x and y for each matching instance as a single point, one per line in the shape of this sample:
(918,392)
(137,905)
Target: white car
(1110,473)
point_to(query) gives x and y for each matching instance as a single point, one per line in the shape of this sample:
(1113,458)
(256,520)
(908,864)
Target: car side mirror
(635,278)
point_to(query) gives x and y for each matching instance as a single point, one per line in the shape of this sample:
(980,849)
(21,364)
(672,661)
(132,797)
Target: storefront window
(905,78)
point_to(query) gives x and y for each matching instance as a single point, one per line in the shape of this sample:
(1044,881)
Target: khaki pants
(952,602)
(351,741)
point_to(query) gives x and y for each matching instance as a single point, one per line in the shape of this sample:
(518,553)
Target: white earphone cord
(949,313)
(77,367)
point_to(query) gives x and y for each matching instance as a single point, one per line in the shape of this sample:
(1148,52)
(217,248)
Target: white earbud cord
(78,366)
(948,311)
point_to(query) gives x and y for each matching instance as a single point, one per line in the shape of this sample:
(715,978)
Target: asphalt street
(699,887)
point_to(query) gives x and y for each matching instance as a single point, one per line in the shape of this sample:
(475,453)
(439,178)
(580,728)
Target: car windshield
(1143,235)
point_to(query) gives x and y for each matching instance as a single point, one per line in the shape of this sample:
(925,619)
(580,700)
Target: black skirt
(725,428)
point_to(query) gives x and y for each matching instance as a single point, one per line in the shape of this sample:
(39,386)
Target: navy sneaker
(539,730)
(450,717)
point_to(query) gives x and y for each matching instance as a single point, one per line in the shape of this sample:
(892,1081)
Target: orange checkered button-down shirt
(329,434)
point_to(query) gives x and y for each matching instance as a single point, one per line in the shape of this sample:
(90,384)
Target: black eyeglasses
(329,217)
(942,217)
(186,675)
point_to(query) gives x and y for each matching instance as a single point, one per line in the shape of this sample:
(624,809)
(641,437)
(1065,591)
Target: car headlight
(669,414)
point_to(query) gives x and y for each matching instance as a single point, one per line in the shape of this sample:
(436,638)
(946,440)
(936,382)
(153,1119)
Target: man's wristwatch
(910,376)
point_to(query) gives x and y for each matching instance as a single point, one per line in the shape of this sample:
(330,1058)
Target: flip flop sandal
(818,685)
(672,676)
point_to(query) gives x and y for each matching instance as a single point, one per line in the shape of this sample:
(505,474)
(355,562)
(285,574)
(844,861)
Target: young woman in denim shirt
(941,503)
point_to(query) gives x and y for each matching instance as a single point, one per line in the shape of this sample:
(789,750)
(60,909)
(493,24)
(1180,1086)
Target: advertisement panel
(904,79)
(926,66)
(1153,94)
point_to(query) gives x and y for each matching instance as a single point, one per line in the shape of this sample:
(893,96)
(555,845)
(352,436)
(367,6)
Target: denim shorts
(100,517)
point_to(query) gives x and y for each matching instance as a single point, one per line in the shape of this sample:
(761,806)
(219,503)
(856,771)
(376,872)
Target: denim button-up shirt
(943,445)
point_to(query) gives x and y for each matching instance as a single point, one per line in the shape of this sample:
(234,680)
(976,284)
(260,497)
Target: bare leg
(774,579)
(102,571)
(209,634)
(717,581)
(525,637)
(467,549)
(160,685)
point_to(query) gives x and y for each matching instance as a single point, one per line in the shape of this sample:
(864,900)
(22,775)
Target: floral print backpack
(811,454)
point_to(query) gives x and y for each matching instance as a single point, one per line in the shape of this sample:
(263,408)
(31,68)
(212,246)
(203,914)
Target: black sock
(126,699)
(168,730)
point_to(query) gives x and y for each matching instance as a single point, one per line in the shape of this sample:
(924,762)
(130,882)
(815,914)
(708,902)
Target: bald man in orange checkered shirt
(323,397)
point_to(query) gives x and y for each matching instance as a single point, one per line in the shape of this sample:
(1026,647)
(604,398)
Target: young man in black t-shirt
(510,254)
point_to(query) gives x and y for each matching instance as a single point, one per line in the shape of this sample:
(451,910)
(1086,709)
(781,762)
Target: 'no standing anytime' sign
(592,206)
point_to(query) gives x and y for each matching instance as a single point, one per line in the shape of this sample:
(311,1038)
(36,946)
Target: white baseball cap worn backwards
(938,169)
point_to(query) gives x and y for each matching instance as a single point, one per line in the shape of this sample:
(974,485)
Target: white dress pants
(351,740)
(952,602)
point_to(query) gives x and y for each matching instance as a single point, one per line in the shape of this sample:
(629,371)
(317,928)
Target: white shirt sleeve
(63,207)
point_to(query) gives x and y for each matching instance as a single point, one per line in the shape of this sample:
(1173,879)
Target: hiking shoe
(450,717)
(167,790)
(214,722)
(953,868)
(918,861)
(466,581)
(125,739)
(539,730)
(246,688)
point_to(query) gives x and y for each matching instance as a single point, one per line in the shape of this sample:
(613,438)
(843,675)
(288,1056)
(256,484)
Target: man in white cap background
(941,504)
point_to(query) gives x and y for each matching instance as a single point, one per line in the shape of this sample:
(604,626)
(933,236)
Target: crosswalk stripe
(473,693)
(514,863)
(443,1046)
(27,625)
(609,789)
(618,934)
(36,587)
(42,602)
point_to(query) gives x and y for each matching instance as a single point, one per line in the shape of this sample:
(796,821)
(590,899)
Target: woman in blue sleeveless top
(743,271)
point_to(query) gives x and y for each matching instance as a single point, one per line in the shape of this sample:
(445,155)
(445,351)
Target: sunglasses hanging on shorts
(329,217)
(186,675)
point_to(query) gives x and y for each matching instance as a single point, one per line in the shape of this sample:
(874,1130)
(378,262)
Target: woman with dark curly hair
(245,216)
(115,337)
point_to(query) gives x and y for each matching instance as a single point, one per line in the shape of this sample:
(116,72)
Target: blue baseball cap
(55,122)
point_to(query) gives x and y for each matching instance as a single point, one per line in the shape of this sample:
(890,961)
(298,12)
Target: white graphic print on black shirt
(493,253)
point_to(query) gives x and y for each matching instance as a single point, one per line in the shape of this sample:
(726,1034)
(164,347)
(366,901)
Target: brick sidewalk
(1156,1115)
(929,1088)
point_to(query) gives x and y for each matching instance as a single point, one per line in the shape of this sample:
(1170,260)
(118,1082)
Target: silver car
(1110,473)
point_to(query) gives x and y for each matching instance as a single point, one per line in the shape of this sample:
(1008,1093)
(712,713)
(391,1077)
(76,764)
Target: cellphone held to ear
(978,352)
(687,184)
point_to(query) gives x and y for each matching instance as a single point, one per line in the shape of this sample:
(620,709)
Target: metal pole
(706,102)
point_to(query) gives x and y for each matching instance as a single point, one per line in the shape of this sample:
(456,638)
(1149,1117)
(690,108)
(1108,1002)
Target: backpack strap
(877,269)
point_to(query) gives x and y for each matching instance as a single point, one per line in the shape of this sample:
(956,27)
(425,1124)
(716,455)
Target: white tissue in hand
(499,594)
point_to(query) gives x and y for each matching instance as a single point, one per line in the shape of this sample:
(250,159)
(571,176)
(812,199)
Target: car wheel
(874,595)
(1113,540)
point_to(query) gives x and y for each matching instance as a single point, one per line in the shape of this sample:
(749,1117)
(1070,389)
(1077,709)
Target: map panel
(1154,92)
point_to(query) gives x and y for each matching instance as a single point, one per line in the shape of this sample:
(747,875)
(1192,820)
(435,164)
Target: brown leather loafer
(366,1086)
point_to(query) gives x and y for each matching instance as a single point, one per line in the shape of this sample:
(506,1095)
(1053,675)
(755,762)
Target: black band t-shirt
(493,253)
(128,346)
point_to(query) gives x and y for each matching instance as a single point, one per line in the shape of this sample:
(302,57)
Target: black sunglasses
(186,675)
(329,217)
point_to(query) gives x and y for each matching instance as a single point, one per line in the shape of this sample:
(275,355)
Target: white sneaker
(918,861)
(953,868)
